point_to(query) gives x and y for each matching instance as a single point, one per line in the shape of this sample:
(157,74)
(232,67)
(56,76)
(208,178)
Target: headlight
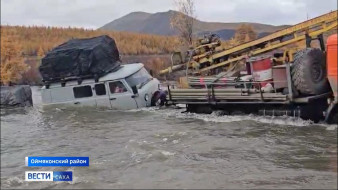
(146,97)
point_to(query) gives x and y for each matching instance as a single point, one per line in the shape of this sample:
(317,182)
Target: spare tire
(308,72)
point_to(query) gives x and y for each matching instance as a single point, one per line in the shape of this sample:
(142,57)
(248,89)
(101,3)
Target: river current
(165,148)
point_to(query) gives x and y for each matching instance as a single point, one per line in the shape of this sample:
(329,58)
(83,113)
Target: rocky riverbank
(13,96)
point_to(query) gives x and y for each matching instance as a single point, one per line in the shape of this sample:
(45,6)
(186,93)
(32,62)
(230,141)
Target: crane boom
(213,59)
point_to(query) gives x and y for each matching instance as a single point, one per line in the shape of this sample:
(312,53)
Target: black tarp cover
(80,58)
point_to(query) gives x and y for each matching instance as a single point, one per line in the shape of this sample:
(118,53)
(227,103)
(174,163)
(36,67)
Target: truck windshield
(139,79)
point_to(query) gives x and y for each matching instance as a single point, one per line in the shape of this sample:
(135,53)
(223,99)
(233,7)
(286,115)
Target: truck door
(84,96)
(121,98)
(102,95)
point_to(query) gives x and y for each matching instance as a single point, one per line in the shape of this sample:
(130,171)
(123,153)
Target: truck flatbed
(235,96)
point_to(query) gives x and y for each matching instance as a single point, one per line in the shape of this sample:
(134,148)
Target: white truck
(129,87)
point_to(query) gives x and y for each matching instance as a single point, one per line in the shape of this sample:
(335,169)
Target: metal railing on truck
(212,91)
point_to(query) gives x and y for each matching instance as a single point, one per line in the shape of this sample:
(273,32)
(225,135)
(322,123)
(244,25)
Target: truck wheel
(203,109)
(333,118)
(309,74)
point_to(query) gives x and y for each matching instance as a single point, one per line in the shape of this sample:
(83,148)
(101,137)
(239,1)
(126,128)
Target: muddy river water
(164,148)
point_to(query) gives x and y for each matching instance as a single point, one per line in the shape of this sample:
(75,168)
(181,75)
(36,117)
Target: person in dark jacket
(163,97)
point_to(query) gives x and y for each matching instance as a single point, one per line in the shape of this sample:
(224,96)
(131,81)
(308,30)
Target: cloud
(276,12)
(95,13)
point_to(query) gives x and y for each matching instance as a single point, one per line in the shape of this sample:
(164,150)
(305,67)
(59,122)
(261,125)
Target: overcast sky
(96,13)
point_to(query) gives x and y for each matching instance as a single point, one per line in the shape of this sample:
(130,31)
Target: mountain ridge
(159,24)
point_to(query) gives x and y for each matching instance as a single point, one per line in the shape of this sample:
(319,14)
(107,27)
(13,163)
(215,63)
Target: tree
(12,62)
(244,33)
(183,21)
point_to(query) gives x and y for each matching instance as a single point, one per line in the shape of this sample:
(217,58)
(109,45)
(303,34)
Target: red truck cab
(332,74)
(332,63)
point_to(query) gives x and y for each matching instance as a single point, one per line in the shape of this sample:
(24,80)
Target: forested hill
(23,47)
(33,39)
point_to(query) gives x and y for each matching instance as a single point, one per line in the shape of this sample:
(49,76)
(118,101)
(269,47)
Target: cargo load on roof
(80,58)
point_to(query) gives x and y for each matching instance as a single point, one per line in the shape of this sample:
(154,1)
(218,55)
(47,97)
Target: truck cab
(331,115)
(130,87)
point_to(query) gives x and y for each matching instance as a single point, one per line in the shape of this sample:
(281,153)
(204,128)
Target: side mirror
(134,88)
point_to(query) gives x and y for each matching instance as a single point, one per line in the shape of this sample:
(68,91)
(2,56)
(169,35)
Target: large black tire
(309,74)
(334,119)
